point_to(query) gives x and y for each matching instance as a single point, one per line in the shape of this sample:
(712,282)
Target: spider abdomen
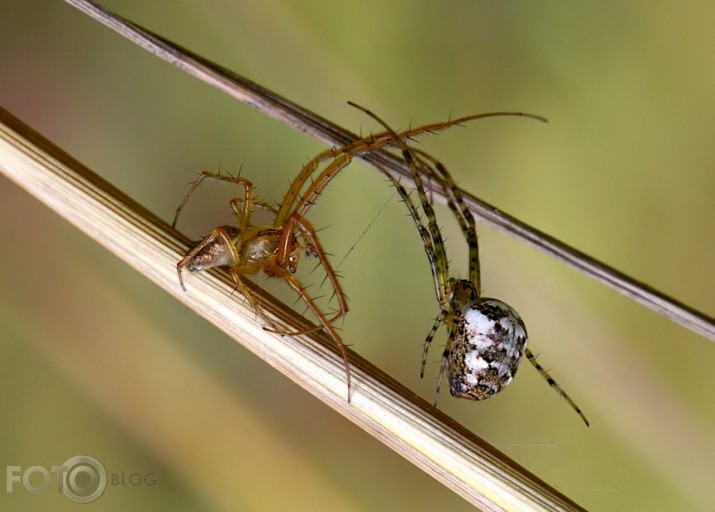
(488,345)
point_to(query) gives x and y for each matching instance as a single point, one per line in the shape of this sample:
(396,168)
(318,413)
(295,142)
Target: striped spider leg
(486,337)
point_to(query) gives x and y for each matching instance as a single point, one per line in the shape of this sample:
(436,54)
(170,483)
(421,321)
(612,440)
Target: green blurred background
(96,360)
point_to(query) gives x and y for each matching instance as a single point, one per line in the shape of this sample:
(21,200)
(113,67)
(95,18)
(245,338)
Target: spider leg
(442,369)
(319,184)
(325,322)
(372,143)
(435,169)
(297,220)
(428,340)
(455,199)
(386,138)
(237,201)
(465,219)
(369,144)
(432,253)
(242,216)
(431,236)
(343,154)
(236,274)
(532,359)
(431,245)
(293,194)
(299,332)
(308,231)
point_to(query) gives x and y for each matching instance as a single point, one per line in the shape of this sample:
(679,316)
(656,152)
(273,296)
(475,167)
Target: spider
(275,249)
(486,337)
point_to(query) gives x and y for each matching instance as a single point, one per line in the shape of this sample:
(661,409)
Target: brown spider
(272,249)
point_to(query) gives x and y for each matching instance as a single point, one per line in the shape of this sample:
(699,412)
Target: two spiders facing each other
(486,337)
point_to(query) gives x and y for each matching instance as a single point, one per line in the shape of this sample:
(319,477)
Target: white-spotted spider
(487,337)
(275,248)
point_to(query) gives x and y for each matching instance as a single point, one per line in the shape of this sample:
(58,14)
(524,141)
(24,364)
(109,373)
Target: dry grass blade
(303,120)
(382,407)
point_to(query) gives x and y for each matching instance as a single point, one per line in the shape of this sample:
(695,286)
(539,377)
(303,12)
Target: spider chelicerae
(486,337)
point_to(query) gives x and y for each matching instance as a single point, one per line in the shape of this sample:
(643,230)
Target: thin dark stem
(297,117)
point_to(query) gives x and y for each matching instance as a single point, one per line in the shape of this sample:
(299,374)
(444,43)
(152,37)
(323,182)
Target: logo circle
(85,479)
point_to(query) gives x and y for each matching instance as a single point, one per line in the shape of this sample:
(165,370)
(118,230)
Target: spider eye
(293,263)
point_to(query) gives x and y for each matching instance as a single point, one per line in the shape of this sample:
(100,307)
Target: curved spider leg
(545,374)
(454,196)
(237,201)
(293,194)
(330,172)
(325,322)
(367,145)
(372,143)
(236,274)
(431,236)
(432,245)
(464,216)
(322,181)
(273,328)
(243,217)
(428,342)
(243,209)
(286,252)
(386,138)
(308,230)
(344,153)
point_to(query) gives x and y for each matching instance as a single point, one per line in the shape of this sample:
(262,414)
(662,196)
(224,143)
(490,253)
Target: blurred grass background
(95,360)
